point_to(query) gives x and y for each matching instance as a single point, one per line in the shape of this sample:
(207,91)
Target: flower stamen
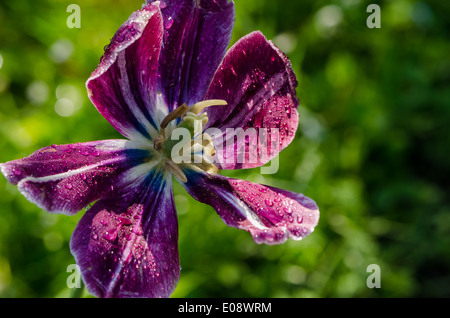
(176,171)
(177,112)
(200,106)
(159,143)
(200,151)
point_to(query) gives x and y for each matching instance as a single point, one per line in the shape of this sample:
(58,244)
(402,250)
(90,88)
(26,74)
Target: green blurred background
(372,149)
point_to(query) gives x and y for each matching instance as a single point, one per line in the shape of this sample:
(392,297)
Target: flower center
(195,148)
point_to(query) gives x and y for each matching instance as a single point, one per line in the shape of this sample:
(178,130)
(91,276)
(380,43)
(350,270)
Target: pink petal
(66,178)
(196,37)
(271,215)
(257,81)
(123,87)
(127,246)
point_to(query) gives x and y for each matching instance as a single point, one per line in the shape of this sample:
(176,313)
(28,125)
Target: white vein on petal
(129,98)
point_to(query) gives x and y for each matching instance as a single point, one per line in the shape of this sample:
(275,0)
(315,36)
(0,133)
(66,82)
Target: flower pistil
(198,150)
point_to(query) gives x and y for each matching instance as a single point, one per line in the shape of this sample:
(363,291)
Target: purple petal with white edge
(123,87)
(196,36)
(66,178)
(271,215)
(127,246)
(257,81)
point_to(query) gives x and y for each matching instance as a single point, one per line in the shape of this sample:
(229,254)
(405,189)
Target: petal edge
(271,215)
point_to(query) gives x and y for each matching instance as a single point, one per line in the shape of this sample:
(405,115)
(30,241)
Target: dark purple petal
(66,178)
(271,215)
(123,87)
(197,34)
(127,246)
(257,81)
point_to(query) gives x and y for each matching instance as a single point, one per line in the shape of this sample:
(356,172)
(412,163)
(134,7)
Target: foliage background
(372,149)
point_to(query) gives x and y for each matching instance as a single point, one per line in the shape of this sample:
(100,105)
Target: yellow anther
(176,170)
(159,143)
(198,107)
(177,112)
(201,149)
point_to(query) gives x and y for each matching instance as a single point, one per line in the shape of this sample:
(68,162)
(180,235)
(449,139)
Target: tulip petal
(197,34)
(66,178)
(271,215)
(123,87)
(257,81)
(127,246)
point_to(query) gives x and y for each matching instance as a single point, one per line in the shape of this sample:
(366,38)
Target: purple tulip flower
(166,68)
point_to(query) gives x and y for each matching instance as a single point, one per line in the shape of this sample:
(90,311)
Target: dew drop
(69,186)
(84,152)
(120,37)
(268,202)
(110,236)
(169,23)
(241,189)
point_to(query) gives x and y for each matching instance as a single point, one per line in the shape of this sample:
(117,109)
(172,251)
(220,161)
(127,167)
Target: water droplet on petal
(287,210)
(241,189)
(168,24)
(268,202)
